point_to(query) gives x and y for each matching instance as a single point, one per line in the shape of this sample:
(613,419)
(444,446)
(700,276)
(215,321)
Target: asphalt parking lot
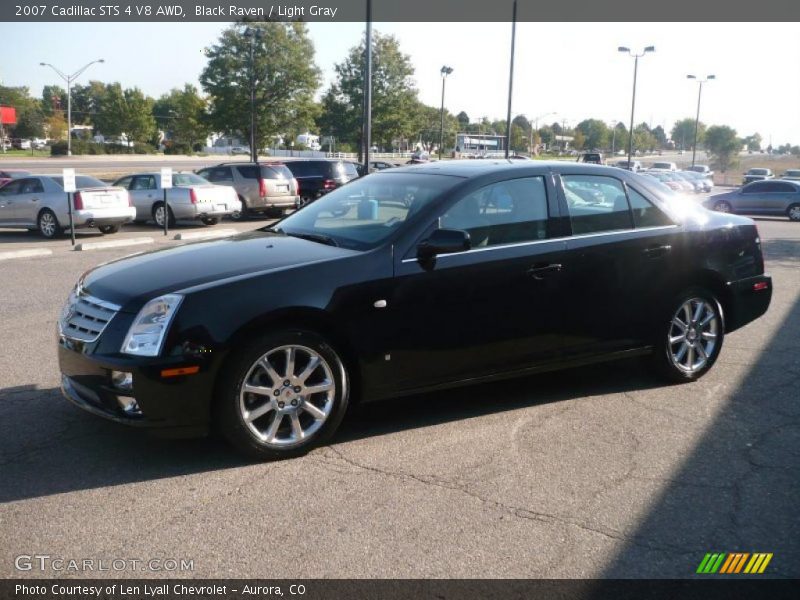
(600,471)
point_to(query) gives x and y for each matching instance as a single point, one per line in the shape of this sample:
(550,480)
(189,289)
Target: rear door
(144,192)
(621,248)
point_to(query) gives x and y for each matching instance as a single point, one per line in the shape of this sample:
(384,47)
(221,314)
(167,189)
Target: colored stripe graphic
(711,562)
(727,565)
(764,564)
(730,563)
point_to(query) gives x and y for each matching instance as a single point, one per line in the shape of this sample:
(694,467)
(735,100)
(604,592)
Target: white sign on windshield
(166,178)
(69,180)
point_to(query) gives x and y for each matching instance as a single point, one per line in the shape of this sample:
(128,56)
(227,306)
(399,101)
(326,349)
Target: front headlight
(146,335)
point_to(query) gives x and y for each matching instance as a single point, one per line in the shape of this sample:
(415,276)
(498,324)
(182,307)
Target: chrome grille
(85,317)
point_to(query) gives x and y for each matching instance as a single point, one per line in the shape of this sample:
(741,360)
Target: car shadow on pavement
(738,489)
(48,446)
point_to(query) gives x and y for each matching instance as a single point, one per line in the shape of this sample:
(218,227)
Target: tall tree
(463,120)
(394,95)
(753,142)
(86,100)
(54,99)
(595,133)
(126,111)
(182,115)
(683,133)
(723,145)
(285,76)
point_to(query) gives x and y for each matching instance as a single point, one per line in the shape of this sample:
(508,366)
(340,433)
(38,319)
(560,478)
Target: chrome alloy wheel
(158,215)
(47,224)
(287,395)
(693,334)
(794,213)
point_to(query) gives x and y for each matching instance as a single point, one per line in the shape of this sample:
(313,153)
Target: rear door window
(645,213)
(596,204)
(220,174)
(248,171)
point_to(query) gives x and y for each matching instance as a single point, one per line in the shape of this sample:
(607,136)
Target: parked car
(702,169)
(791,174)
(772,197)
(379,165)
(705,183)
(318,176)
(664,166)
(672,181)
(693,179)
(21,144)
(261,187)
(39,202)
(420,156)
(191,197)
(634,165)
(757,174)
(591,157)
(7,175)
(388,299)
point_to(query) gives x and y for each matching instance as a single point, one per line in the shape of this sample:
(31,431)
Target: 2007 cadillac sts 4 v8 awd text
(406,280)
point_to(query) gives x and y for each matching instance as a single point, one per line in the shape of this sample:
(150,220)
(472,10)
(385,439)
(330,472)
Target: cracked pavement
(592,472)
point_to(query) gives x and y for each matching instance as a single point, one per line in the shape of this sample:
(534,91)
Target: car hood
(132,281)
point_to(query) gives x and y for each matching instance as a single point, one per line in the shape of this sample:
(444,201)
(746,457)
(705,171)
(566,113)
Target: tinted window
(31,186)
(365,212)
(601,204)
(502,213)
(144,182)
(276,172)
(300,168)
(645,214)
(12,187)
(124,182)
(220,174)
(179,179)
(755,188)
(248,171)
(777,186)
(758,172)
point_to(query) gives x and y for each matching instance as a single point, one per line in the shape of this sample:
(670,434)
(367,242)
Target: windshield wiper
(314,237)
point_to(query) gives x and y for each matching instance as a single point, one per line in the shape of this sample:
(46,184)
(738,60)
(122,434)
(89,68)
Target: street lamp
(636,58)
(697,119)
(445,71)
(69,79)
(254,35)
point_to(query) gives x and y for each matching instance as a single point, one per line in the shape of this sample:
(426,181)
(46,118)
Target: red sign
(8,115)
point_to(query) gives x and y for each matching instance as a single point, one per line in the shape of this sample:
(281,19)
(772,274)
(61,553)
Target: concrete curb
(25,253)
(114,243)
(199,235)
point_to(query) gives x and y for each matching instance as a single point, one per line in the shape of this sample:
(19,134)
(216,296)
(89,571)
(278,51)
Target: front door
(144,193)
(9,197)
(495,307)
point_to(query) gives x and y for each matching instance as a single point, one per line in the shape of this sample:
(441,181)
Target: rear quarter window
(276,172)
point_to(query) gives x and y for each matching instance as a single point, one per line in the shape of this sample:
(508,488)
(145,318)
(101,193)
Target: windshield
(365,212)
(179,179)
(82,182)
(758,171)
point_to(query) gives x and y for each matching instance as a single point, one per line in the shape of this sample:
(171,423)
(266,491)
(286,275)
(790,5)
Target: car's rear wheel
(793,212)
(48,225)
(239,215)
(210,220)
(303,201)
(285,393)
(722,206)
(109,228)
(689,342)
(158,215)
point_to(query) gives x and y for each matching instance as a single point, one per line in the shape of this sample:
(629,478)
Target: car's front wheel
(48,224)
(283,394)
(689,343)
(210,220)
(158,215)
(722,206)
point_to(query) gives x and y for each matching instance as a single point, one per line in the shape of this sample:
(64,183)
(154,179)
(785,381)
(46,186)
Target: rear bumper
(102,216)
(750,298)
(274,202)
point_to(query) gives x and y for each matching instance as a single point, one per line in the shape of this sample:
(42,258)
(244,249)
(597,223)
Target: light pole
(445,71)
(697,119)
(254,35)
(636,58)
(69,79)
(614,137)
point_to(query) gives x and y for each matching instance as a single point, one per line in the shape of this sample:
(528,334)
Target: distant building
(480,143)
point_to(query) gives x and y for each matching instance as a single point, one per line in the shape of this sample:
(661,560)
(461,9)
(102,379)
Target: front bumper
(750,298)
(175,406)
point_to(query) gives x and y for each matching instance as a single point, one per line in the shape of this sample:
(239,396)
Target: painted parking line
(114,243)
(199,235)
(25,253)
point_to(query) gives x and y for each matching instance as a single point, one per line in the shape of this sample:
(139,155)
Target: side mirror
(444,241)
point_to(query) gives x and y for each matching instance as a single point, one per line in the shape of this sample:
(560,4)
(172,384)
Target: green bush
(94,148)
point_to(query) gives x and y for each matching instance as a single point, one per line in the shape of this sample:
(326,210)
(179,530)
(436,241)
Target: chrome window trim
(556,239)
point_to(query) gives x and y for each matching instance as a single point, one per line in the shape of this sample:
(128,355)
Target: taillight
(77,201)
(262,188)
(192,196)
(328,184)
(130,199)
(296,186)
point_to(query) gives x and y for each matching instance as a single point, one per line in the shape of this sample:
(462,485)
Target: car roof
(474,168)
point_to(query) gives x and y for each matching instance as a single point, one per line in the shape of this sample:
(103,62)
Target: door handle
(540,271)
(657,251)
(34,199)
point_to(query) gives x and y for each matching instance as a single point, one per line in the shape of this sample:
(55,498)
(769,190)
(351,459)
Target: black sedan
(411,279)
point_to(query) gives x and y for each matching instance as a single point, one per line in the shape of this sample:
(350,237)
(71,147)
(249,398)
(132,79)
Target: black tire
(108,228)
(723,207)
(242,214)
(156,207)
(793,212)
(231,405)
(304,200)
(696,337)
(210,220)
(48,225)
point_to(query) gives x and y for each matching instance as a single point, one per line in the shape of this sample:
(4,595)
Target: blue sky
(572,69)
